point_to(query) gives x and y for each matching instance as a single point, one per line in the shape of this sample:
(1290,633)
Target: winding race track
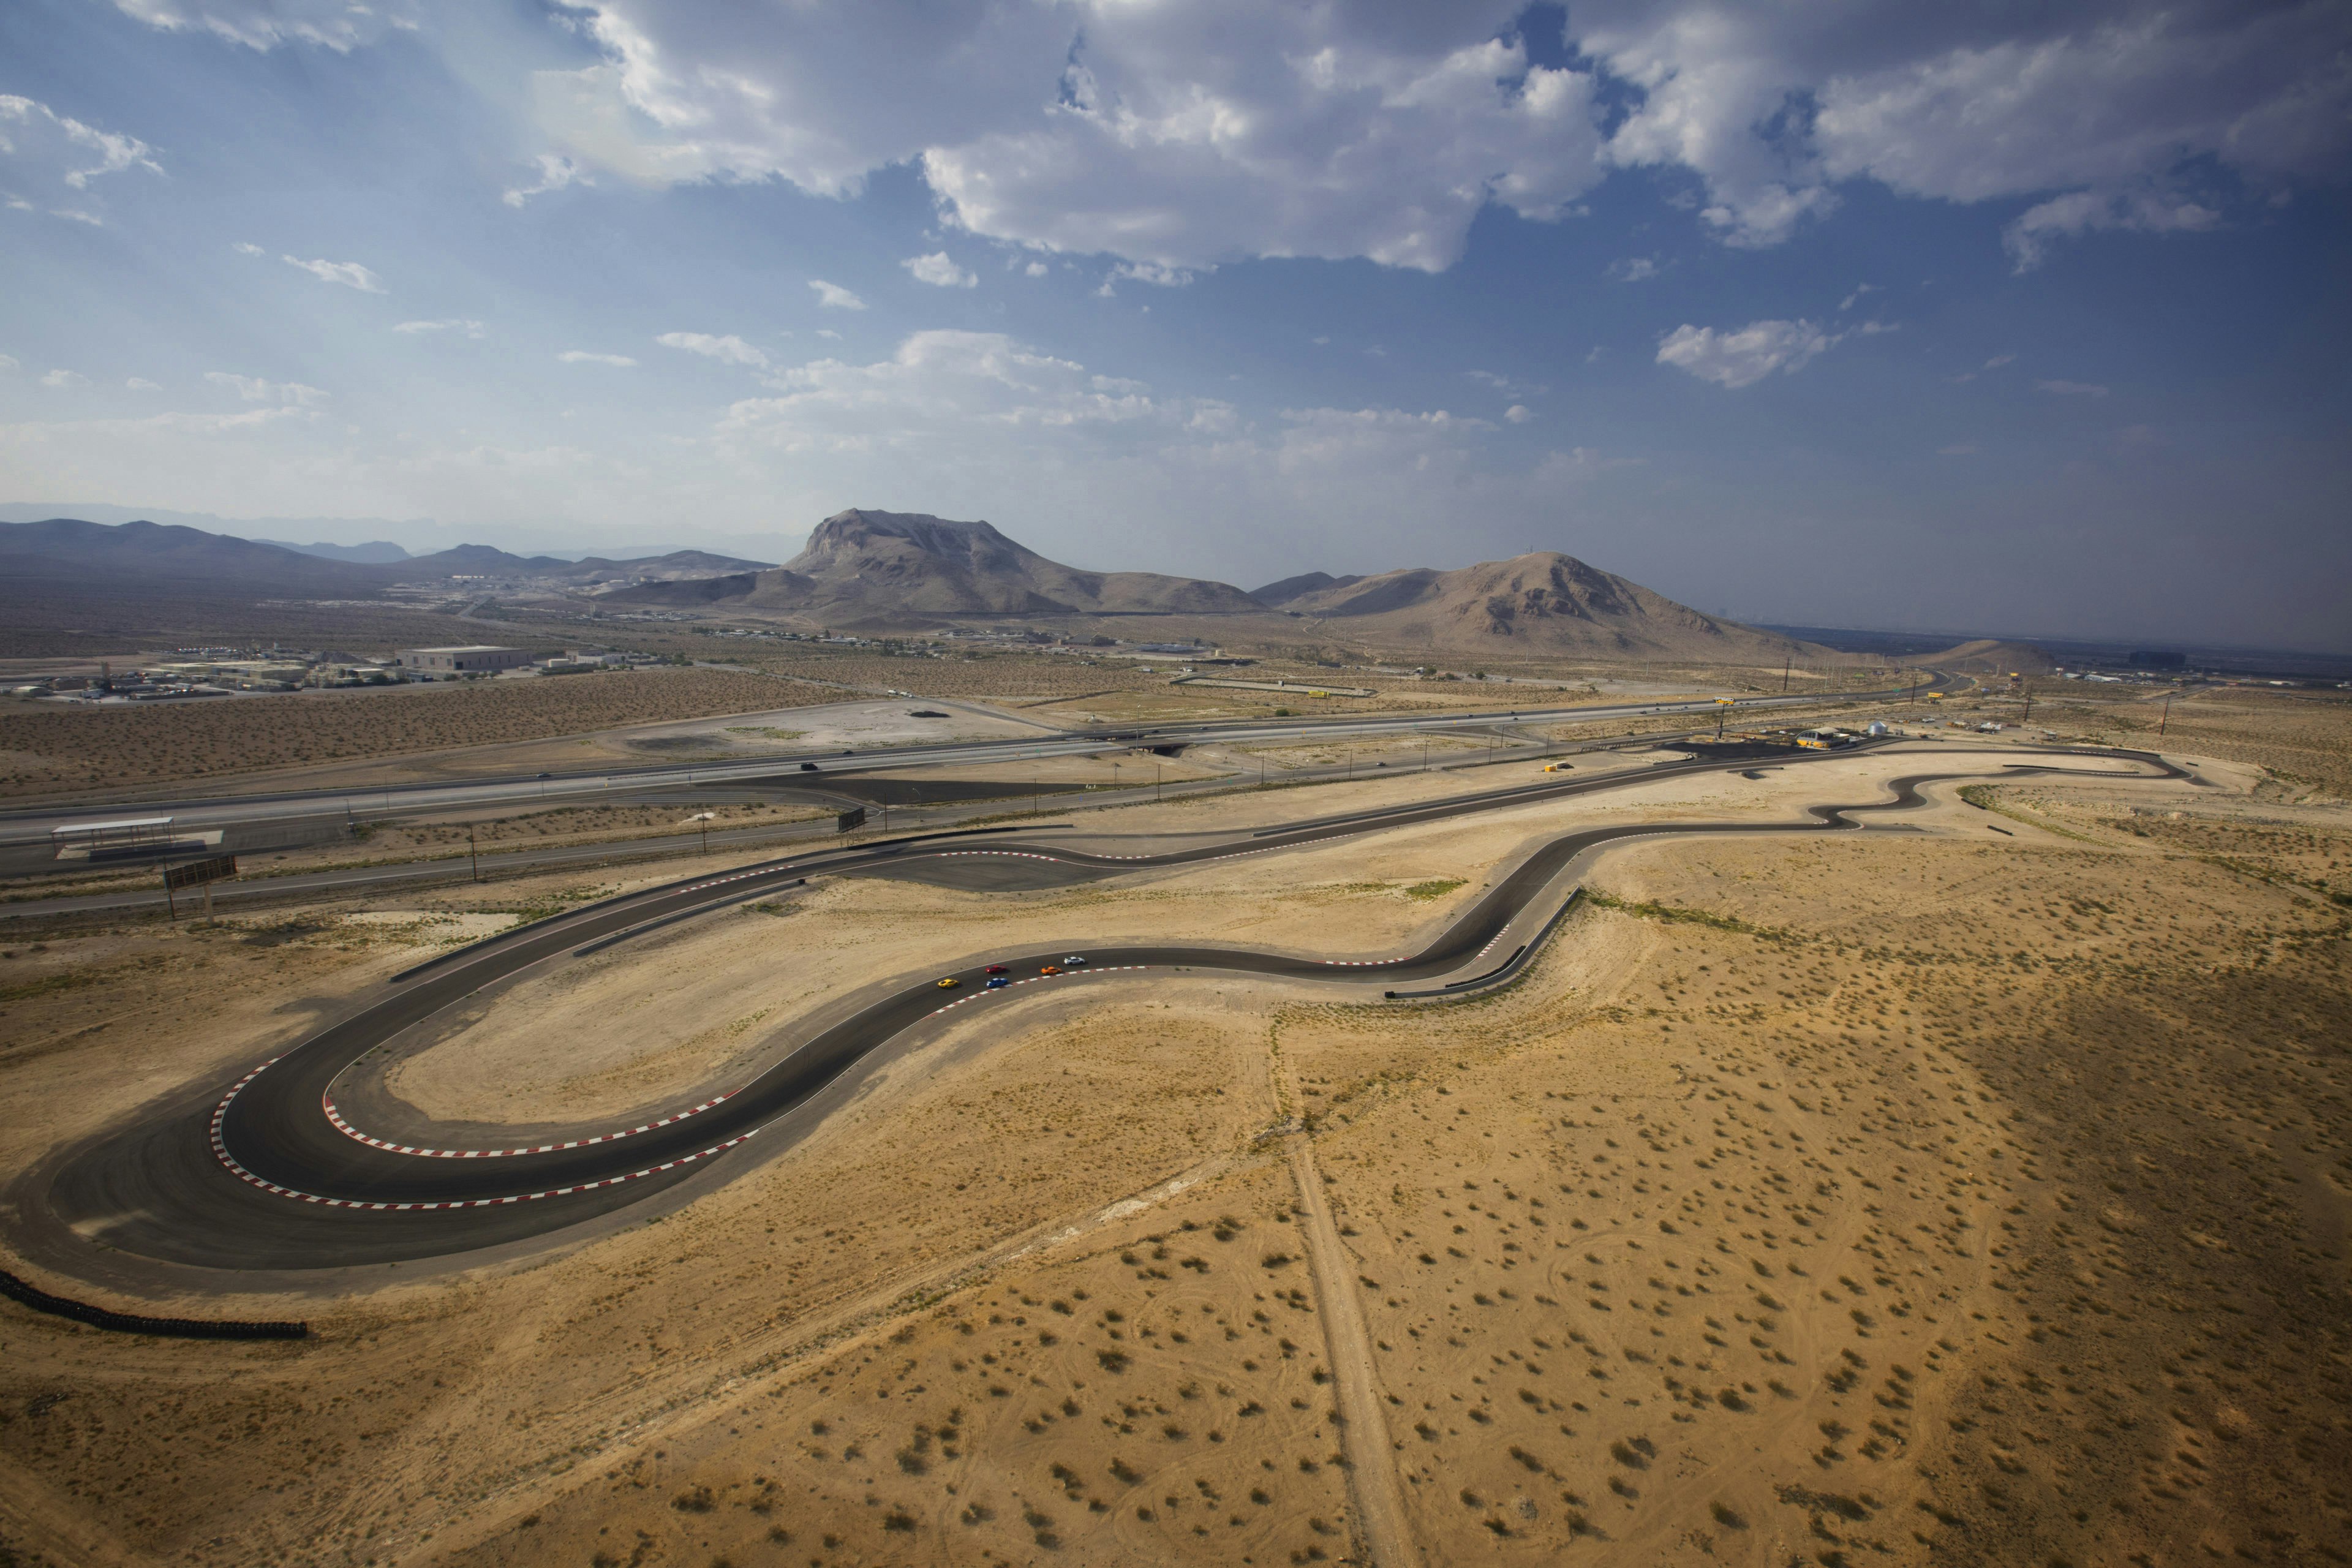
(269,1173)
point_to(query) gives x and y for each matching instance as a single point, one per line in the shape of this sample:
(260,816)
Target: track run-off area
(267,1171)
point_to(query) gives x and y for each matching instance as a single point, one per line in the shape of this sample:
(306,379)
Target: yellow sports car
(950,984)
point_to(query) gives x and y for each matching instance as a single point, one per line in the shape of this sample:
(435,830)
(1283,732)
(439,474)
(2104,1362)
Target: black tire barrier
(40,1301)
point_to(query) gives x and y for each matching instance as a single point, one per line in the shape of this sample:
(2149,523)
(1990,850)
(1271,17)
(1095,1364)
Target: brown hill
(872,569)
(1541,603)
(1993,656)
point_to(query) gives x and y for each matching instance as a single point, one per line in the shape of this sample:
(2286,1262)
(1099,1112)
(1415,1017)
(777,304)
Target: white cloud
(1517,413)
(828,332)
(338,25)
(1036,269)
(585,357)
(1851,300)
(2000,359)
(80,152)
(64,378)
(75,214)
(834,296)
(556,172)
(468,328)
(1634,269)
(1742,356)
(729,350)
(140,384)
(247,248)
(8,362)
(1189,135)
(2071,388)
(349,274)
(939,271)
(253,389)
(2028,238)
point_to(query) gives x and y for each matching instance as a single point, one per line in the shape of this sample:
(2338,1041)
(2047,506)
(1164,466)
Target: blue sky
(1871,315)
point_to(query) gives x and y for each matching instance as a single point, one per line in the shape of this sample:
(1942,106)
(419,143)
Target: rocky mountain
(872,569)
(1543,603)
(1278,595)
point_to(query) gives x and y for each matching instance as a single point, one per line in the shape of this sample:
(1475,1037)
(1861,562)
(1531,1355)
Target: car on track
(1558,767)
(998,981)
(1051,969)
(947,982)
(1075,961)
(998,968)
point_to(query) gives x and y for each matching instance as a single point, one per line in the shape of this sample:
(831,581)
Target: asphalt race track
(265,1172)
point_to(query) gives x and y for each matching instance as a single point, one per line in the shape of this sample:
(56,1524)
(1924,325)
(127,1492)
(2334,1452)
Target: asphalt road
(198,813)
(258,1173)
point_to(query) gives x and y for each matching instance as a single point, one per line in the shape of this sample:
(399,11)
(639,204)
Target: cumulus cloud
(2071,388)
(247,248)
(1634,269)
(939,271)
(2028,236)
(467,327)
(1517,413)
(1742,356)
(834,296)
(585,356)
(1186,136)
(556,172)
(1036,269)
(64,378)
(253,389)
(349,274)
(140,384)
(729,350)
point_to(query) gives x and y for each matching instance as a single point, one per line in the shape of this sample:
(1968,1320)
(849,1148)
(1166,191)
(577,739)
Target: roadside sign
(854,817)
(195,873)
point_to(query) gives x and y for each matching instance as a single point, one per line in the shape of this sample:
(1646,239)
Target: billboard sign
(195,873)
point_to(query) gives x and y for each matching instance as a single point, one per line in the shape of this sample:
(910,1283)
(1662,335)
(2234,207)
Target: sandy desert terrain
(1972,1188)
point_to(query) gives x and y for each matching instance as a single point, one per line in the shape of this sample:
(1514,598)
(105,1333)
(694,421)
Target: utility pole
(2167,717)
(1155,784)
(1786,661)
(473,855)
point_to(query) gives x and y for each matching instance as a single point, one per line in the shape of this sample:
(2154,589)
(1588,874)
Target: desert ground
(1972,1188)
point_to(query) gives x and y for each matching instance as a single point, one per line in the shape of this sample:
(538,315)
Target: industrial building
(474,659)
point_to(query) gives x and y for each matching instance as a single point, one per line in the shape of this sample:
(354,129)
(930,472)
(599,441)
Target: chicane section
(266,1173)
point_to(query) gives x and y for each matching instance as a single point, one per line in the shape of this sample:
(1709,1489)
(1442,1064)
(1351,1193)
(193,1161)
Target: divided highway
(199,813)
(267,1172)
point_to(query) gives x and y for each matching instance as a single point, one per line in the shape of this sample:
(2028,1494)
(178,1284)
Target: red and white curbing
(220,1153)
(335,1115)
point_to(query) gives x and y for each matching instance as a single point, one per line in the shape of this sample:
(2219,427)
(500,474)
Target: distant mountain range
(146,553)
(379,553)
(880,570)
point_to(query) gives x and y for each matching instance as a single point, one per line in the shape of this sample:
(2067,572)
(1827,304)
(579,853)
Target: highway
(32,826)
(267,1171)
